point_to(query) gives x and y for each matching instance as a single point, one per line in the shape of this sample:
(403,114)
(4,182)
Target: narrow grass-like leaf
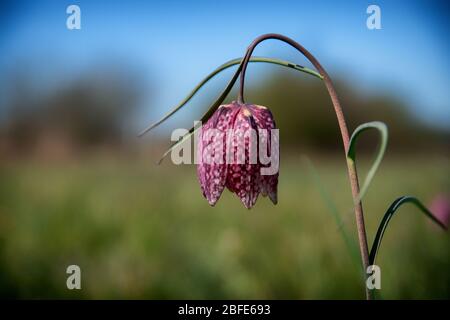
(387,217)
(351,152)
(224,94)
(221,68)
(180,141)
(351,244)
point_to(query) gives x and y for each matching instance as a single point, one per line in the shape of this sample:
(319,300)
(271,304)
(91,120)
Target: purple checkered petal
(212,169)
(264,120)
(243,177)
(228,154)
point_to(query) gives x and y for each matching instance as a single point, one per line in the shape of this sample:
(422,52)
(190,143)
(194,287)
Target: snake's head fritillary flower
(440,206)
(238,149)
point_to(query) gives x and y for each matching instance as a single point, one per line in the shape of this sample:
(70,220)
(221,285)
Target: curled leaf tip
(351,152)
(389,214)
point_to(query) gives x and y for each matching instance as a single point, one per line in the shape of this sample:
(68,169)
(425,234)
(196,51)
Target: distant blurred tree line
(91,111)
(305,115)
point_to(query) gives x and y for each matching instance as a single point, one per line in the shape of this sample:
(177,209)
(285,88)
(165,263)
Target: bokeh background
(78,187)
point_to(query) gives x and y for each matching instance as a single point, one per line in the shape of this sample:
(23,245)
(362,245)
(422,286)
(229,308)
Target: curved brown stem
(351,168)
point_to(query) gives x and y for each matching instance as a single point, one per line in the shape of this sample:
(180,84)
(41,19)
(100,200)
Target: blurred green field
(138,230)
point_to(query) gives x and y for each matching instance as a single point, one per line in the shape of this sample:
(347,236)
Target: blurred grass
(143,231)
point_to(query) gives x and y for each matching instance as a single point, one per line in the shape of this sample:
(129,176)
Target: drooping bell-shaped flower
(440,206)
(238,148)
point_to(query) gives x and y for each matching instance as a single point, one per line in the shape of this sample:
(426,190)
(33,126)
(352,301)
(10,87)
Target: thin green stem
(221,68)
(351,168)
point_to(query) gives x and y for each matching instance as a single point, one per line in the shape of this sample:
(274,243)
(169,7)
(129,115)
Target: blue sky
(176,43)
